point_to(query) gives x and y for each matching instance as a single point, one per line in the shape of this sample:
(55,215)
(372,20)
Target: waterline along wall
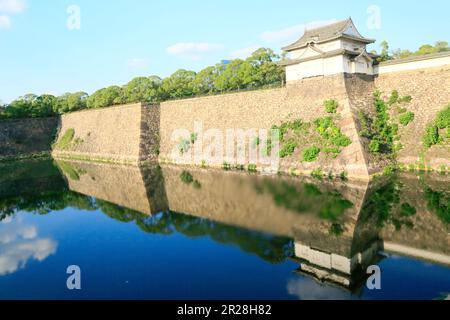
(137,133)
(125,134)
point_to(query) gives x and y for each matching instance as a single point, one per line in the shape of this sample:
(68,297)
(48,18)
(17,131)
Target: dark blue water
(47,224)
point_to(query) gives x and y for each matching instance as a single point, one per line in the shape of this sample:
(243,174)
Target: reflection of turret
(334,259)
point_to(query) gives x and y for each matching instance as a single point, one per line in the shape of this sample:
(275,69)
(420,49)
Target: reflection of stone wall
(237,199)
(26,137)
(121,185)
(428,232)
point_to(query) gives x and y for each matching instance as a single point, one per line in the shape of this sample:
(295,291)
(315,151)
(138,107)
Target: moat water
(177,233)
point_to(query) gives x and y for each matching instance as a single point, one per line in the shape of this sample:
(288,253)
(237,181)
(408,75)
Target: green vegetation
(187,178)
(226,166)
(439,203)
(311,154)
(386,54)
(406,118)
(252,168)
(321,135)
(317,174)
(65,142)
(331,133)
(381,130)
(288,148)
(383,207)
(260,70)
(70,171)
(185,144)
(331,106)
(329,205)
(434,133)
(336,229)
(343,176)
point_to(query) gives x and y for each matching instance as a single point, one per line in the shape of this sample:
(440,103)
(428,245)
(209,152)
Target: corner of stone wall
(360,89)
(149,144)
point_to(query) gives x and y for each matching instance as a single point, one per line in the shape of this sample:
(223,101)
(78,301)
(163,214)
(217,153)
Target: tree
(205,79)
(31,106)
(442,46)
(384,56)
(266,71)
(261,56)
(402,54)
(142,89)
(425,49)
(179,84)
(238,74)
(70,102)
(106,97)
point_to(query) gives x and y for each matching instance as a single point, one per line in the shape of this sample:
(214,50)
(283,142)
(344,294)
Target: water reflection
(20,243)
(332,230)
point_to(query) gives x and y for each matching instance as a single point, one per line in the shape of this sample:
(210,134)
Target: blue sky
(121,39)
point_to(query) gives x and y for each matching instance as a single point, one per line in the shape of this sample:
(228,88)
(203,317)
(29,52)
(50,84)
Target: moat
(170,232)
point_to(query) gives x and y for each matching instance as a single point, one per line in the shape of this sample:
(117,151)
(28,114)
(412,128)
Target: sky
(58,46)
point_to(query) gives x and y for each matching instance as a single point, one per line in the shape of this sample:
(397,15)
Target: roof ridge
(328,25)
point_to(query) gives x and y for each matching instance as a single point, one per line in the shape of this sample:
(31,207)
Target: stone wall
(261,110)
(430,90)
(111,134)
(26,137)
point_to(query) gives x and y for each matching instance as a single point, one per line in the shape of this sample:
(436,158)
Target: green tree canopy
(142,89)
(106,97)
(204,80)
(70,102)
(179,84)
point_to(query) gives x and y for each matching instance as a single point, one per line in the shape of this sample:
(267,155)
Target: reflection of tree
(439,203)
(44,202)
(270,248)
(302,198)
(384,206)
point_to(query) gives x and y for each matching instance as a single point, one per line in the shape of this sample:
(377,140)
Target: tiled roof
(326,33)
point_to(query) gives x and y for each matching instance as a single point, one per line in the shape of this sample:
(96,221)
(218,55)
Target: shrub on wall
(381,130)
(311,154)
(65,141)
(406,118)
(331,106)
(434,131)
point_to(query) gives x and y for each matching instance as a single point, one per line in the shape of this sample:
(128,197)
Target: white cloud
(193,50)
(5,22)
(12,6)
(19,244)
(138,63)
(291,33)
(244,52)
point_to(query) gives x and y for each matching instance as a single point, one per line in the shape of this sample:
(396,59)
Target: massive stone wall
(430,90)
(261,110)
(110,134)
(26,137)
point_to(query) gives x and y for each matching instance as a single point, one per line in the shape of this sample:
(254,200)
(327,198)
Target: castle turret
(331,49)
